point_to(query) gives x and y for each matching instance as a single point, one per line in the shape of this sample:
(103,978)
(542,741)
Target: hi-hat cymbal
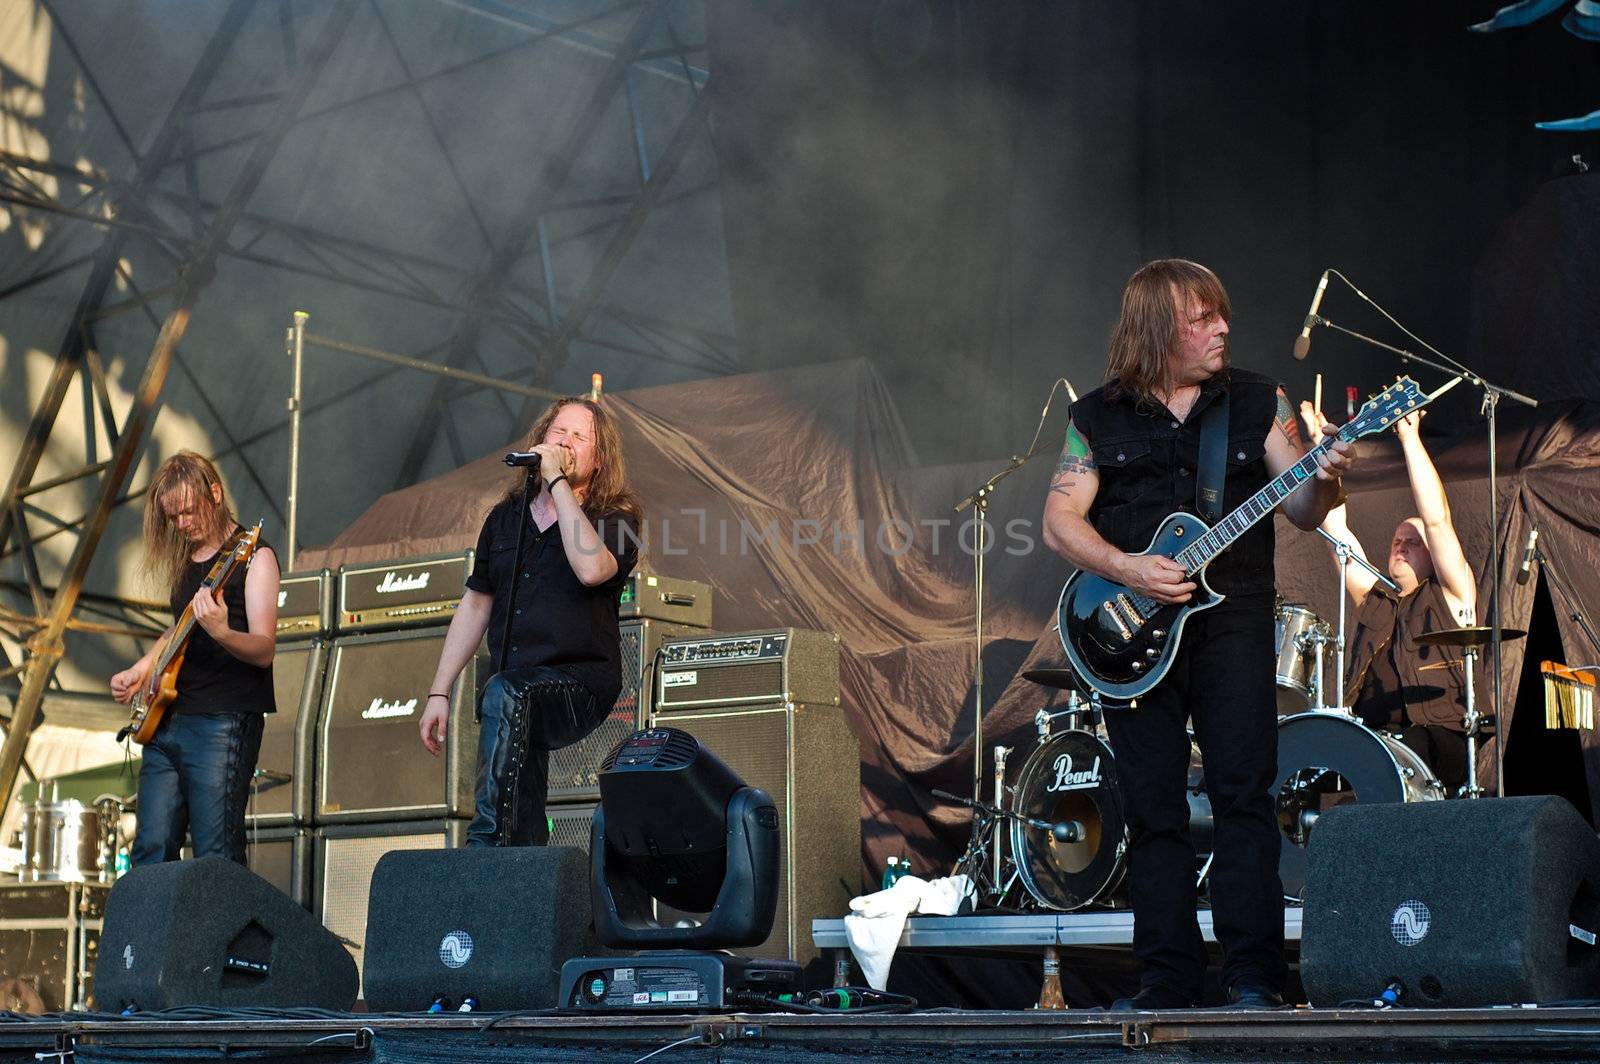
(1474,635)
(1065,679)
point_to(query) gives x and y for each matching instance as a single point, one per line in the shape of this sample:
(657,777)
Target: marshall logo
(1068,780)
(414,582)
(381,709)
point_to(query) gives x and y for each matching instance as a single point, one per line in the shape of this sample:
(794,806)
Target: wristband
(556,478)
(438,694)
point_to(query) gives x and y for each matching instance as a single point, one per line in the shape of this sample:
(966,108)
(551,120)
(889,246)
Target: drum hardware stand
(1000,754)
(1492,394)
(1472,722)
(983,846)
(979,501)
(1346,555)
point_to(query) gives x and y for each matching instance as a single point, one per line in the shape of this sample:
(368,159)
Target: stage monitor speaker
(280,791)
(346,854)
(808,760)
(371,764)
(282,856)
(1461,904)
(211,932)
(493,923)
(575,769)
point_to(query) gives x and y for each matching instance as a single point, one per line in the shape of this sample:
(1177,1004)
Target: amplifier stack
(767,703)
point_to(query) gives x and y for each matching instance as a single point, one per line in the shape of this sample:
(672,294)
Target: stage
(1216,1035)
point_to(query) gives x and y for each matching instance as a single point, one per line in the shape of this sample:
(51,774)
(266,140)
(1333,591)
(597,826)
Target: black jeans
(527,713)
(195,779)
(1222,679)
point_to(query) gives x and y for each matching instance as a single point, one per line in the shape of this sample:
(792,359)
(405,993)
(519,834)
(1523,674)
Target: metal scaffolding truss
(189,230)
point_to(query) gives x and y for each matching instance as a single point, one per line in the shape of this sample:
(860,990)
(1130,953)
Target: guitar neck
(1199,553)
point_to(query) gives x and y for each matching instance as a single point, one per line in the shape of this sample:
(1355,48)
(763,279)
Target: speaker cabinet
(371,764)
(807,758)
(1462,903)
(211,932)
(575,769)
(346,855)
(496,923)
(281,791)
(282,857)
(569,825)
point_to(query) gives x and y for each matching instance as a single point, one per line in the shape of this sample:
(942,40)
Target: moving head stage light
(677,828)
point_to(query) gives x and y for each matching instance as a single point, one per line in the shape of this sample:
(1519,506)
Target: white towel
(875,921)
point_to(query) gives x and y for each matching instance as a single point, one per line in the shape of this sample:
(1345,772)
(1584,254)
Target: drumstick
(1316,396)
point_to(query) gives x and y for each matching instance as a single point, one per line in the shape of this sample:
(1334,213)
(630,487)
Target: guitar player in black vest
(196,769)
(1132,456)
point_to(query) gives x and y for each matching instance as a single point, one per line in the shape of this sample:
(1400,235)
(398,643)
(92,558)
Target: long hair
(607,489)
(166,550)
(1138,361)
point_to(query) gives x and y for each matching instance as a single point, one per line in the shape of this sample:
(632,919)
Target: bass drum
(1331,759)
(1072,778)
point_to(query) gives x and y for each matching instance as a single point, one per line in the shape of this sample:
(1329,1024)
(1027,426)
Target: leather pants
(527,712)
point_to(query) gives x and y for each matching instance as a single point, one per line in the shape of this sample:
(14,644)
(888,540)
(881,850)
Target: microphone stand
(1346,555)
(979,501)
(1492,394)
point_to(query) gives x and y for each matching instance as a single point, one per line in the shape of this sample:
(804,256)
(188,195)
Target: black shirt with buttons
(556,620)
(1146,465)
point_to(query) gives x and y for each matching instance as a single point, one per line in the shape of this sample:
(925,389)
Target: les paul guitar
(1122,643)
(161,684)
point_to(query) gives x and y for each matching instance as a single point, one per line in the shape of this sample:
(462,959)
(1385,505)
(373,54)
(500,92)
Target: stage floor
(1218,1035)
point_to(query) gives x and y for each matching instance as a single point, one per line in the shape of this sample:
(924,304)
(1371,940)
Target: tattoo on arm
(1287,424)
(1076,460)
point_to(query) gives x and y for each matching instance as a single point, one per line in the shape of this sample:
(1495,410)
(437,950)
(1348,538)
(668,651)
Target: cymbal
(1475,635)
(1065,679)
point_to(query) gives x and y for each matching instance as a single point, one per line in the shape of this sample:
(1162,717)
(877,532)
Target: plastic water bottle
(891,872)
(904,869)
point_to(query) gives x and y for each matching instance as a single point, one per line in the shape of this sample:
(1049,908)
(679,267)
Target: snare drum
(1072,778)
(61,844)
(1331,759)
(1297,633)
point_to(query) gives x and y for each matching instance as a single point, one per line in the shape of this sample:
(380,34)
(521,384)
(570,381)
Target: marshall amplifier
(575,769)
(280,790)
(305,605)
(402,594)
(783,665)
(371,764)
(664,598)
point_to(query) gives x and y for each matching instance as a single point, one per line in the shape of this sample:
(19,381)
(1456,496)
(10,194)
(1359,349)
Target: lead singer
(562,670)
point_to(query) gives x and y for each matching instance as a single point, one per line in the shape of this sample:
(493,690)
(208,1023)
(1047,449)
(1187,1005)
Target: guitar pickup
(1129,612)
(1116,619)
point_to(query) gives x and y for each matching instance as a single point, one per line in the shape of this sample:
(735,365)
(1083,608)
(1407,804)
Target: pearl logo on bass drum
(1068,780)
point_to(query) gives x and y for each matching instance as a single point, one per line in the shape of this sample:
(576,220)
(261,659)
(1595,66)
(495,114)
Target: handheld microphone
(1302,346)
(1527,557)
(522,458)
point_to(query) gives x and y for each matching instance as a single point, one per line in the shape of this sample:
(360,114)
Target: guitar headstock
(1384,409)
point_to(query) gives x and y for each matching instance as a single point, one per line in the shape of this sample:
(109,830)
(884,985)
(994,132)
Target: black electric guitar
(1120,642)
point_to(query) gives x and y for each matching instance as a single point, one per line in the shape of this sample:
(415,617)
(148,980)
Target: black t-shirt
(556,619)
(213,680)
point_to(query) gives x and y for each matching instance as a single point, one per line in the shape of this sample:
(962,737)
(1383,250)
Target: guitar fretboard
(1197,554)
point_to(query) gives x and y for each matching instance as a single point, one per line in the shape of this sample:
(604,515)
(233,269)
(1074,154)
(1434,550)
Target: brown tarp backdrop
(794,495)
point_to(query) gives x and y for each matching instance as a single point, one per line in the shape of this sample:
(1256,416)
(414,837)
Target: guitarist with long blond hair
(195,777)
(1132,456)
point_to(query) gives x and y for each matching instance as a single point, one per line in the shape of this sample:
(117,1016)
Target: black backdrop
(957,189)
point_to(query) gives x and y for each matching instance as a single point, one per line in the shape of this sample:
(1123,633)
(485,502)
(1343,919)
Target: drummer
(1393,683)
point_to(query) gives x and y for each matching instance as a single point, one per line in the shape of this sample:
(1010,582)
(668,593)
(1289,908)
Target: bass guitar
(1122,643)
(161,683)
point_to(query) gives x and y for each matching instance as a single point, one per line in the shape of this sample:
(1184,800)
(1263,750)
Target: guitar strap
(1213,460)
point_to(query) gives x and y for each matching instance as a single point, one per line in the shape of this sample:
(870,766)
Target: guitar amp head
(780,665)
(406,593)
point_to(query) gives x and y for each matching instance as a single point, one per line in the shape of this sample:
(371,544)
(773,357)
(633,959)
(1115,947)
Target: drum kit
(66,841)
(1056,837)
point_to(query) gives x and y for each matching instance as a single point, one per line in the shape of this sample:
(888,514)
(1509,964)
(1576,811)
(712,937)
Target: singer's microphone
(1302,346)
(522,458)
(1527,557)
